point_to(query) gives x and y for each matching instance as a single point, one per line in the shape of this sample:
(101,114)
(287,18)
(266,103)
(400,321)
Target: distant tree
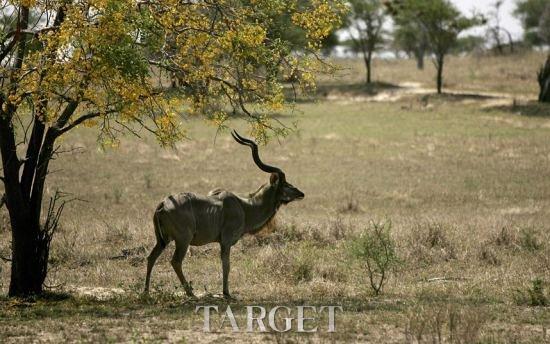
(535,19)
(544,26)
(329,43)
(409,37)
(441,23)
(495,29)
(365,26)
(544,82)
(530,13)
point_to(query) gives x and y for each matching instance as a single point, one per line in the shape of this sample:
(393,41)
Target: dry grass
(467,189)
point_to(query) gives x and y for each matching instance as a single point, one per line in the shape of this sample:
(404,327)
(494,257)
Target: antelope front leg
(177,260)
(225,250)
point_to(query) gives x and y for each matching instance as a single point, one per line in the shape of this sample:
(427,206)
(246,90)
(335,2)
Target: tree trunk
(439,66)
(30,242)
(498,43)
(30,250)
(368,64)
(419,55)
(510,41)
(544,82)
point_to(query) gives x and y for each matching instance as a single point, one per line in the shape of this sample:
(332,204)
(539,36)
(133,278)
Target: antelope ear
(274,178)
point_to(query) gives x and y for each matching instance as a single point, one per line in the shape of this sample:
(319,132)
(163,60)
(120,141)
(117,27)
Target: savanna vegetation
(462,177)
(426,207)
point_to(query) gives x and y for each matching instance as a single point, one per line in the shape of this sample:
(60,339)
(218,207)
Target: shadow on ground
(54,305)
(62,305)
(356,89)
(324,91)
(460,97)
(531,109)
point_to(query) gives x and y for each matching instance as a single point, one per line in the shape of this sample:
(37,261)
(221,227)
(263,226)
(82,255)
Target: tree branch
(41,171)
(10,162)
(33,149)
(66,115)
(81,120)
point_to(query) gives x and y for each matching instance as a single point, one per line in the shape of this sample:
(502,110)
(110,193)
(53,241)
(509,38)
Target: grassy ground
(478,73)
(465,182)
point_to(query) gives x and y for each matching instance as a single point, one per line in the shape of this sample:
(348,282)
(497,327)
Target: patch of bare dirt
(521,210)
(409,88)
(98,293)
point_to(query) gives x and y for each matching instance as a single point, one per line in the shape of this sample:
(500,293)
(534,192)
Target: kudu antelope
(221,217)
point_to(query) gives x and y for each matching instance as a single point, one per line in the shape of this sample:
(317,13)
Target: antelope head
(285,192)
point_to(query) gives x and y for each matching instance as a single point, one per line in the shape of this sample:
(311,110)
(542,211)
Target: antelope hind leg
(153,256)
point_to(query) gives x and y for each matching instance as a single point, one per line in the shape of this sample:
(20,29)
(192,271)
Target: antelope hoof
(145,295)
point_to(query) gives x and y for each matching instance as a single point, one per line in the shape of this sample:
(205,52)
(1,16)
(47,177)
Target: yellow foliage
(106,56)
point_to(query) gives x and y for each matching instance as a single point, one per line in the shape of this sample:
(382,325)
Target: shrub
(429,243)
(148,181)
(445,324)
(376,249)
(303,262)
(529,239)
(535,295)
(117,194)
(436,236)
(506,238)
(350,204)
(303,271)
(67,250)
(338,229)
(489,255)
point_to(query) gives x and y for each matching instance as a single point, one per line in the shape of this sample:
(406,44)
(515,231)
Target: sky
(467,7)
(483,6)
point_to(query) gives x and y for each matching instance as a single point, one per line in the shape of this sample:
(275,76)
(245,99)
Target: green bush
(534,295)
(376,249)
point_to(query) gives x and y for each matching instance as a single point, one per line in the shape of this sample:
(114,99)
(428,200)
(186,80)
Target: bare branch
(130,130)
